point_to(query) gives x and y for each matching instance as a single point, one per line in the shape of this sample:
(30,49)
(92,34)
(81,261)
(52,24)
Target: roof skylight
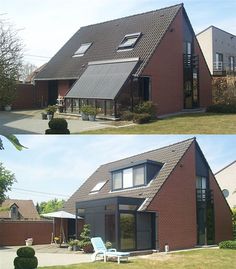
(82,49)
(98,186)
(129,41)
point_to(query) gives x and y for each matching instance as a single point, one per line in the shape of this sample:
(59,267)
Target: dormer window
(137,175)
(82,50)
(129,41)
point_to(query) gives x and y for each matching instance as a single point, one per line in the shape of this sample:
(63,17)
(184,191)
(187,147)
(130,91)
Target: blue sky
(59,164)
(47,25)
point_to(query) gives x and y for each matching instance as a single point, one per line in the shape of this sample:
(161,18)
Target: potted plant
(92,112)
(85,241)
(50,111)
(29,242)
(85,112)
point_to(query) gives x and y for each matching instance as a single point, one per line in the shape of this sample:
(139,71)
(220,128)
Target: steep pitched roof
(26,209)
(105,38)
(169,156)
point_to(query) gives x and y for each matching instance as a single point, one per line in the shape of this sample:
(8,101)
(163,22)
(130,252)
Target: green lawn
(197,259)
(185,124)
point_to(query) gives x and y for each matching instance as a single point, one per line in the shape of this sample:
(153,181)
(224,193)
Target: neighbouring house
(219,49)
(12,209)
(226,178)
(113,66)
(168,196)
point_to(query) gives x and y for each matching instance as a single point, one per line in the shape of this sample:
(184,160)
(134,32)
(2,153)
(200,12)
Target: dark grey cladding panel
(102,80)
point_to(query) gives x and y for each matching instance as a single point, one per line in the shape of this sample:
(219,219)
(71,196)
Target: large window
(127,231)
(128,178)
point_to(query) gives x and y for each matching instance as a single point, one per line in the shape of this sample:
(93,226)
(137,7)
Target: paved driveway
(47,256)
(30,122)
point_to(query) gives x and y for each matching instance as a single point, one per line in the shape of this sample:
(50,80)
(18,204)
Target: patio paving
(48,255)
(30,122)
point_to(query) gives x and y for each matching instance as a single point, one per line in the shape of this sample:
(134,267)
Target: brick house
(117,64)
(12,209)
(165,196)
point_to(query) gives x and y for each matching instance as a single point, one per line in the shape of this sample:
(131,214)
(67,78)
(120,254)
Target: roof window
(82,50)
(98,186)
(129,41)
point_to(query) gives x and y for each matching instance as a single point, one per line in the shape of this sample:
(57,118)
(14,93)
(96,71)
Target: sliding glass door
(127,231)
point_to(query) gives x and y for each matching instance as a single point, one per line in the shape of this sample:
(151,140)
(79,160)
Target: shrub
(53,131)
(228,244)
(146,108)
(58,124)
(142,118)
(25,263)
(25,252)
(222,108)
(127,116)
(25,259)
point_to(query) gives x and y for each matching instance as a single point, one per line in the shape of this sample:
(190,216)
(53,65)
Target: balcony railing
(221,68)
(204,195)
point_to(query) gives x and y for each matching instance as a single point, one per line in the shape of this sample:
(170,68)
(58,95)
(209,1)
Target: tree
(10,62)
(13,139)
(50,206)
(26,70)
(7,178)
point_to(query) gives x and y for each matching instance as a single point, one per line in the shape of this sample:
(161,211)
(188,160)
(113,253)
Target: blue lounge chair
(101,250)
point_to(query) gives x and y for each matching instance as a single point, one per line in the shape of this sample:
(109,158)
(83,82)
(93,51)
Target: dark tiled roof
(106,38)
(169,156)
(26,209)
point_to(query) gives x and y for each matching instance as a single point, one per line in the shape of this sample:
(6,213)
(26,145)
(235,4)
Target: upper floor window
(129,41)
(128,178)
(82,50)
(137,174)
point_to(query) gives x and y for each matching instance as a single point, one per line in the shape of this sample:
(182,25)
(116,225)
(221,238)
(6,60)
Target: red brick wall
(166,70)
(41,93)
(176,206)
(25,97)
(63,87)
(223,218)
(205,84)
(14,233)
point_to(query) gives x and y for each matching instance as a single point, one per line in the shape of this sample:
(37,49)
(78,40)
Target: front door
(52,92)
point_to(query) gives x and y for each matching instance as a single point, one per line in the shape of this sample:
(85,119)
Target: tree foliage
(7,178)
(10,62)
(14,140)
(50,206)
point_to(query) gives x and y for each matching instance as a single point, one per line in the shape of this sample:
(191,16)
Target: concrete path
(30,122)
(65,257)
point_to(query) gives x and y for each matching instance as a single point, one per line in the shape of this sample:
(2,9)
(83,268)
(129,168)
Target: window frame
(81,54)
(144,166)
(122,45)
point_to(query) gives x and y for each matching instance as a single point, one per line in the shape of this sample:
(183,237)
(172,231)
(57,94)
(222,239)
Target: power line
(47,193)
(37,56)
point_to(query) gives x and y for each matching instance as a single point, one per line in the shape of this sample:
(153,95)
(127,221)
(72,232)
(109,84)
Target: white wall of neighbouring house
(224,43)
(227,181)
(205,41)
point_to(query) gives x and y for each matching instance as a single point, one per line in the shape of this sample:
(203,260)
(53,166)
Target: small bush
(25,252)
(25,263)
(58,124)
(146,108)
(228,244)
(222,108)
(127,116)
(142,118)
(54,131)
